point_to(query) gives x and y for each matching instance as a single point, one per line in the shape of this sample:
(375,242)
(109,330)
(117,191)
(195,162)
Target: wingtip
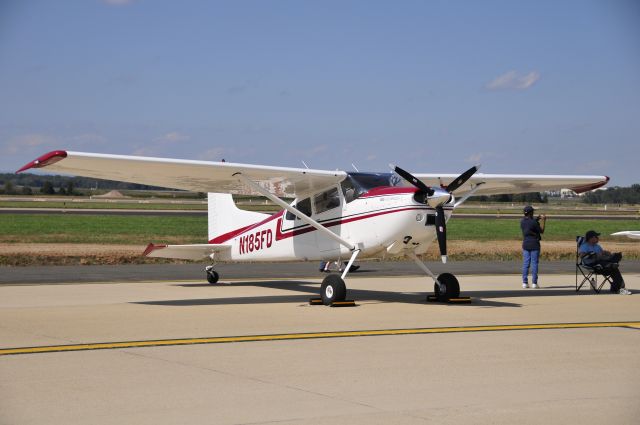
(44,160)
(591,186)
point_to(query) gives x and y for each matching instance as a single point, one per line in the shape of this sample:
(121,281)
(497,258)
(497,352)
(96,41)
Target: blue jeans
(530,257)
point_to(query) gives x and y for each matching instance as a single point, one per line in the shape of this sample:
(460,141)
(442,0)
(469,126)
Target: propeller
(436,198)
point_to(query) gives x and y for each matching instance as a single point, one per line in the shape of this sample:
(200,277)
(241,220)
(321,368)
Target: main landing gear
(212,275)
(446,287)
(333,289)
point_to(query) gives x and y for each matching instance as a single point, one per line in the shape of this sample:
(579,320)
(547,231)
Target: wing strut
(311,222)
(469,194)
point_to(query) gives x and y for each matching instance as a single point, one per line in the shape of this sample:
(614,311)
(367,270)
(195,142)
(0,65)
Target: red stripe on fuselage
(280,235)
(232,234)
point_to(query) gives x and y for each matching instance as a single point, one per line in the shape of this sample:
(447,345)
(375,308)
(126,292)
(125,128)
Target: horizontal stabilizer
(184,252)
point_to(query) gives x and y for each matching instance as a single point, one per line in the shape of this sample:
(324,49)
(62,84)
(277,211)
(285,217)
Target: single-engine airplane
(335,214)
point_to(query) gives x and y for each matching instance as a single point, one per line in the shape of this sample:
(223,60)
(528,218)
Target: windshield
(358,183)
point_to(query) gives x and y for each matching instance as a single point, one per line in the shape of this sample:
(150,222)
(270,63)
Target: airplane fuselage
(381,220)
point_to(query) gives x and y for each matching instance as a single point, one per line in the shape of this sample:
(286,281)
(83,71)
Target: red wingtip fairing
(44,160)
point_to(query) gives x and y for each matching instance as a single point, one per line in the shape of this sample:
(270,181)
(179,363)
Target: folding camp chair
(589,273)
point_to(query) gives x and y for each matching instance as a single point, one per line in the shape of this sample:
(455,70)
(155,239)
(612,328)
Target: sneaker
(535,286)
(525,286)
(624,291)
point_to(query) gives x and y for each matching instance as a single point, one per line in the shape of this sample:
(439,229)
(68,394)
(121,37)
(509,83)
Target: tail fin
(225,217)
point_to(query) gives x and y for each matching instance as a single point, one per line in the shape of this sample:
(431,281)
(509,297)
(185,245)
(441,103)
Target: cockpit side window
(304,206)
(349,190)
(327,200)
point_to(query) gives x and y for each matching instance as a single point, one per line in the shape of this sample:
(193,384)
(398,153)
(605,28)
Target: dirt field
(67,254)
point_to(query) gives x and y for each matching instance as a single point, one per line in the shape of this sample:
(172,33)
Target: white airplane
(633,234)
(335,214)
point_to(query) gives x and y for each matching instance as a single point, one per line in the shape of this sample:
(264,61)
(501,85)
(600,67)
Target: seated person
(592,254)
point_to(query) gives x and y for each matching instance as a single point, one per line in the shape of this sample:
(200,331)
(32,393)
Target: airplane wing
(196,176)
(208,176)
(497,184)
(633,234)
(185,252)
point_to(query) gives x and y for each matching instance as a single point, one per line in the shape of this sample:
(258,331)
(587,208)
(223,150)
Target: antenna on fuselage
(354,167)
(305,164)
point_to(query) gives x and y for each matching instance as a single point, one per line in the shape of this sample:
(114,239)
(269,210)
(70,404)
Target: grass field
(101,229)
(114,229)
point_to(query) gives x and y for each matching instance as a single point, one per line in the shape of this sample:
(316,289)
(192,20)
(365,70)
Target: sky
(528,87)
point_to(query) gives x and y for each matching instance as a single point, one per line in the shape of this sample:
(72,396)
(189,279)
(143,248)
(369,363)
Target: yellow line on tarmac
(312,335)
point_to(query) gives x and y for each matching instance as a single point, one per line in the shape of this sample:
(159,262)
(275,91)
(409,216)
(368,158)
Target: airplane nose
(439,197)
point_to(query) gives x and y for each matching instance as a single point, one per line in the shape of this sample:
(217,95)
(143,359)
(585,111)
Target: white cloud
(513,81)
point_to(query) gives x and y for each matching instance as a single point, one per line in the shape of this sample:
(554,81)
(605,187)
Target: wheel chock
(345,303)
(458,300)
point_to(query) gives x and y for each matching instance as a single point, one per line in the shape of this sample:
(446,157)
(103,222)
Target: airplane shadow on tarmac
(310,290)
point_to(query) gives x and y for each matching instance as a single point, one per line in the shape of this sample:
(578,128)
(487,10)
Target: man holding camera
(592,254)
(532,229)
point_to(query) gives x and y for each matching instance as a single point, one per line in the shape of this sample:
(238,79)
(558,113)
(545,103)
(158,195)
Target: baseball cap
(590,234)
(528,209)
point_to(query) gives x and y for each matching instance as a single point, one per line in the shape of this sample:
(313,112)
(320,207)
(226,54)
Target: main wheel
(212,276)
(451,287)
(333,289)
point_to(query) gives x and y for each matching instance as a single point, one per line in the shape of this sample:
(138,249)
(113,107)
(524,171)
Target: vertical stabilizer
(225,217)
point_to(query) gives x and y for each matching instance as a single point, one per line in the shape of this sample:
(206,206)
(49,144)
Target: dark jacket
(531,234)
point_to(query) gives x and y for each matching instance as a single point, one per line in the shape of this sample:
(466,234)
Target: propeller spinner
(436,198)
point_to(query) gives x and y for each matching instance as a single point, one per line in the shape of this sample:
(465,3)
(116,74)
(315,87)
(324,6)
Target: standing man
(532,229)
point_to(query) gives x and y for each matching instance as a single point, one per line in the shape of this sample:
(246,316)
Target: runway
(254,351)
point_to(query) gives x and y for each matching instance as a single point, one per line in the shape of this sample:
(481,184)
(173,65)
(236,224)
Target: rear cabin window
(304,206)
(326,201)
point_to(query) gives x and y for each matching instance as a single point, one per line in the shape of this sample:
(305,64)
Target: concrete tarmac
(573,360)
(291,270)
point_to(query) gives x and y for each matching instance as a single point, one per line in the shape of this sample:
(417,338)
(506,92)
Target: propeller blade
(462,178)
(441,231)
(411,179)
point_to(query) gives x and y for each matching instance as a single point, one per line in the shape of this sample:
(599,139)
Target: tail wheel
(333,289)
(451,287)
(212,276)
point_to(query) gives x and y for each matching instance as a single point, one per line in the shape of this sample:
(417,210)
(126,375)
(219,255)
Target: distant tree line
(25,183)
(614,195)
